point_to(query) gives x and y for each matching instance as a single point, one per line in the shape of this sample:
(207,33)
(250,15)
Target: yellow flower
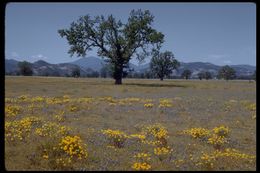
(217,140)
(221,130)
(162,150)
(45,156)
(73,146)
(148,105)
(197,132)
(141,166)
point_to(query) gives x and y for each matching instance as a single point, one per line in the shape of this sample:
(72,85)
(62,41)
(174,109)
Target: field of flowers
(91,124)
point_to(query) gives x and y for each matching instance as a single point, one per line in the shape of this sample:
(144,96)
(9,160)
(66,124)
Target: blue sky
(219,33)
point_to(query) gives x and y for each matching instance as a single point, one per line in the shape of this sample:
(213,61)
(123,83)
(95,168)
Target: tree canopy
(186,74)
(227,73)
(162,64)
(25,68)
(116,41)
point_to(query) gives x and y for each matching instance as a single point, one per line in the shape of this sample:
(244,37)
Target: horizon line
(137,64)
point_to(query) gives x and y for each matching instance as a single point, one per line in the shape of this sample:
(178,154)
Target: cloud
(38,57)
(14,55)
(227,62)
(217,56)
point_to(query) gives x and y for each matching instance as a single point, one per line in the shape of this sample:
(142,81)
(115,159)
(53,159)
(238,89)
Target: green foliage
(227,73)
(25,68)
(201,75)
(116,41)
(208,75)
(204,74)
(162,64)
(186,74)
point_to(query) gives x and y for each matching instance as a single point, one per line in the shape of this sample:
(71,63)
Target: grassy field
(91,124)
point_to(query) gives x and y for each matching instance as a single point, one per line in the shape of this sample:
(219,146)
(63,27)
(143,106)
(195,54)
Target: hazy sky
(219,33)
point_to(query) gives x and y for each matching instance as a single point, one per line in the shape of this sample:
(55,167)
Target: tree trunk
(118,81)
(161,78)
(118,74)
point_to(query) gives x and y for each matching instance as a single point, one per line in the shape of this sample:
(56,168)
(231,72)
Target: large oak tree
(117,42)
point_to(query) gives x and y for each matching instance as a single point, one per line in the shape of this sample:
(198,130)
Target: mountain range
(92,64)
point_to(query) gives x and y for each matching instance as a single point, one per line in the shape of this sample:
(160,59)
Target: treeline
(226,72)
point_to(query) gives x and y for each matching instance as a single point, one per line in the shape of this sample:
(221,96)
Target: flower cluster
(178,162)
(85,100)
(20,129)
(217,140)
(116,137)
(23,98)
(216,136)
(142,162)
(137,136)
(165,103)
(162,150)
(145,156)
(197,132)
(73,108)
(59,116)
(141,166)
(148,105)
(51,129)
(209,160)
(251,107)
(37,99)
(157,134)
(74,147)
(108,99)
(221,131)
(12,110)
(235,154)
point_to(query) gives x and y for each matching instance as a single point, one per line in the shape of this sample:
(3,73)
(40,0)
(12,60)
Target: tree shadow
(156,85)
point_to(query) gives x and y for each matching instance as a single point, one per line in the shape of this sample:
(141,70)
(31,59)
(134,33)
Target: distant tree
(136,75)
(25,68)
(127,69)
(55,73)
(17,73)
(254,75)
(148,74)
(227,73)
(142,75)
(201,75)
(94,74)
(130,73)
(207,75)
(186,74)
(116,41)
(75,72)
(162,64)
(45,73)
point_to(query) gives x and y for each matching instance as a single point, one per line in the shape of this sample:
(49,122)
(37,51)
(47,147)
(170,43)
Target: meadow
(56,123)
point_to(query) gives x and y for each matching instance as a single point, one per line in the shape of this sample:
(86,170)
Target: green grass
(205,104)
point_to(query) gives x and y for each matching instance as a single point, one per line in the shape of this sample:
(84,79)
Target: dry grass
(94,105)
